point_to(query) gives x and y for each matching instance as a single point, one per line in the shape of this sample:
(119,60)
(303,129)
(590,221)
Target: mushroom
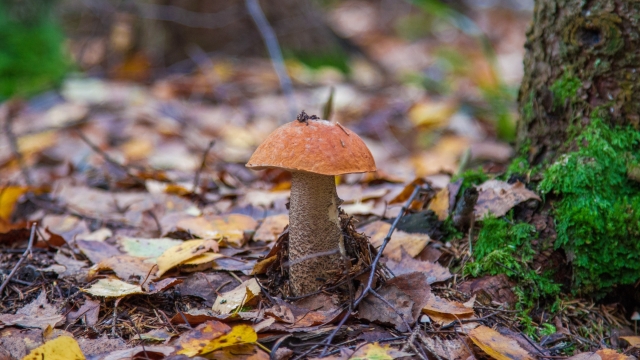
(314,152)
(635,317)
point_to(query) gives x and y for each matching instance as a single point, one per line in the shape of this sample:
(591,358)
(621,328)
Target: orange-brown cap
(321,147)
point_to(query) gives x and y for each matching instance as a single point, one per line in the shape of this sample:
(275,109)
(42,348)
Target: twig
(104,155)
(196,180)
(22,258)
(374,265)
(271,42)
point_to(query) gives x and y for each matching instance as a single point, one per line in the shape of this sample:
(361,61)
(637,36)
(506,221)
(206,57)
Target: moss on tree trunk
(581,57)
(579,105)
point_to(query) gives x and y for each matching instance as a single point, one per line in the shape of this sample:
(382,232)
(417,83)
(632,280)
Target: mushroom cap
(321,147)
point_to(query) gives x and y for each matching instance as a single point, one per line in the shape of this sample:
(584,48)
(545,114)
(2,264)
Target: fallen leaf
(89,312)
(230,227)
(404,195)
(60,348)
(242,295)
(9,195)
(36,314)
(72,267)
(431,114)
(239,334)
(444,312)
(113,288)
(453,349)
(271,227)
(407,264)
(146,248)
(127,268)
(632,340)
(497,346)
(377,351)
(205,285)
(192,342)
(239,352)
(158,335)
(411,243)
(498,197)
(184,252)
(398,314)
(610,354)
(440,204)
(97,251)
(146,351)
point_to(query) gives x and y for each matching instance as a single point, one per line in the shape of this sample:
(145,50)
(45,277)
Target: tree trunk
(581,61)
(579,105)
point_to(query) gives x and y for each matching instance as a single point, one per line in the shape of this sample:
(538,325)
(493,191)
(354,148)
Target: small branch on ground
(271,42)
(26,253)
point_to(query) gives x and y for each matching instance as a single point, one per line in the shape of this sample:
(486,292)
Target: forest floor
(106,180)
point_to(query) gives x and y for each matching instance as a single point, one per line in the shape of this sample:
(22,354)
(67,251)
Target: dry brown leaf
(89,312)
(36,314)
(411,243)
(498,197)
(271,227)
(453,349)
(498,346)
(407,264)
(127,268)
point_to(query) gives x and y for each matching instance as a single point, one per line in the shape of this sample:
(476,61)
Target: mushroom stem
(314,231)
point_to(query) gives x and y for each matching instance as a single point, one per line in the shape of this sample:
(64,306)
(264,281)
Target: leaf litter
(150,232)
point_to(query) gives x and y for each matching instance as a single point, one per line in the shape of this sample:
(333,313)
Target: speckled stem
(314,228)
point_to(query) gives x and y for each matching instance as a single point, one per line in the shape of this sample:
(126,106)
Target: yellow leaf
(496,345)
(192,342)
(203,259)
(60,348)
(9,195)
(440,204)
(240,334)
(230,227)
(632,340)
(179,254)
(432,114)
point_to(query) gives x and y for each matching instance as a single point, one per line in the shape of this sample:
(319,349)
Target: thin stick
(196,180)
(22,258)
(271,42)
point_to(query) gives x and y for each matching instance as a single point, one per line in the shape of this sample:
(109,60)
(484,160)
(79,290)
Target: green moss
(470,177)
(598,216)
(31,55)
(504,247)
(564,88)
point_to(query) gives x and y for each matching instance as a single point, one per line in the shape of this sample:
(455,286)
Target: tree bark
(582,60)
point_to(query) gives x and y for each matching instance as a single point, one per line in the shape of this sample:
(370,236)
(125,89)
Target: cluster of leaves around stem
(504,247)
(598,216)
